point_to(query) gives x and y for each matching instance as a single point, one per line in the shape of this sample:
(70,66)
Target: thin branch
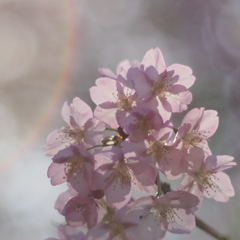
(208,229)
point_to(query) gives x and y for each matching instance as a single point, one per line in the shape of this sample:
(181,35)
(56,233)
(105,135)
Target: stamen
(125,102)
(144,126)
(74,166)
(206,180)
(121,172)
(163,211)
(71,135)
(162,87)
(193,139)
(158,149)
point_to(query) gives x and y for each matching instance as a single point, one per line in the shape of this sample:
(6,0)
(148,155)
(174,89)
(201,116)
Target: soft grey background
(50,52)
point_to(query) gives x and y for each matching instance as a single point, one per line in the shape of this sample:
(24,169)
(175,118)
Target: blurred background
(50,52)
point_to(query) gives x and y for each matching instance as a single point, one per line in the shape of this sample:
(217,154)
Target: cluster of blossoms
(127,143)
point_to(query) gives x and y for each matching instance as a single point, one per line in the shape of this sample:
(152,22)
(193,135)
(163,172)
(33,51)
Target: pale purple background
(34,46)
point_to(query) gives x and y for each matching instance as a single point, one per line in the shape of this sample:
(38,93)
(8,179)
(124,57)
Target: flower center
(74,134)
(164,211)
(144,126)
(80,208)
(74,166)
(162,87)
(125,102)
(206,180)
(157,149)
(121,172)
(192,139)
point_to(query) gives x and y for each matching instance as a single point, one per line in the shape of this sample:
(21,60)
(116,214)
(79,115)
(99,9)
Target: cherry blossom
(116,100)
(80,210)
(155,149)
(164,86)
(117,176)
(141,122)
(197,126)
(170,212)
(75,165)
(205,176)
(82,128)
(115,225)
(128,142)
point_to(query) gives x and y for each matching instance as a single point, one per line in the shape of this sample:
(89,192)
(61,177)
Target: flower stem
(208,229)
(111,129)
(97,146)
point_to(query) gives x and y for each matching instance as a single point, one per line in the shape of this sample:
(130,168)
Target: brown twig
(208,229)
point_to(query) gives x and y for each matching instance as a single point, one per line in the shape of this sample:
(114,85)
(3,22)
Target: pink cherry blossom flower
(82,128)
(81,210)
(205,176)
(156,150)
(75,165)
(164,86)
(170,212)
(117,176)
(197,126)
(66,232)
(115,225)
(141,122)
(114,99)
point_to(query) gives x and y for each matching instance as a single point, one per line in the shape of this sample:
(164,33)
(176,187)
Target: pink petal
(209,123)
(178,100)
(107,114)
(218,163)
(93,132)
(62,200)
(188,184)
(117,193)
(184,74)
(184,222)
(179,199)
(56,141)
(107,73)
(154,58)
(105,91)
(56,173)
(193,118)
(145,181)
(150,227)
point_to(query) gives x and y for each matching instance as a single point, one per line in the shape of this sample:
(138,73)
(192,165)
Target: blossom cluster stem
(111,129)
